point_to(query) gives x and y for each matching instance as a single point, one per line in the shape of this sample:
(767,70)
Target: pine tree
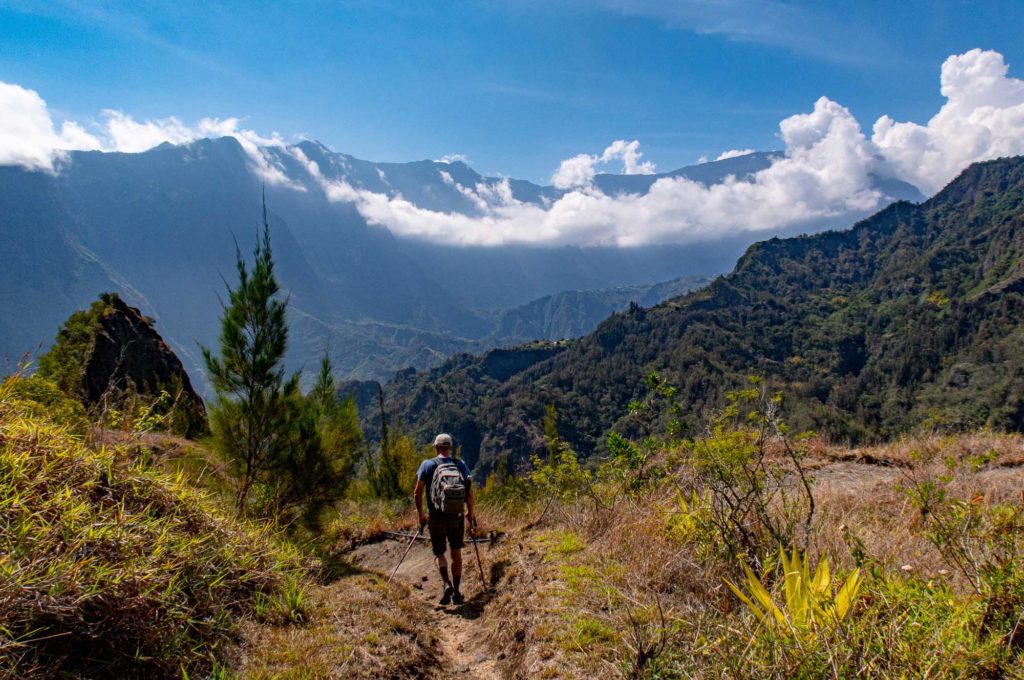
(251,417)
(316,470)
(384,474)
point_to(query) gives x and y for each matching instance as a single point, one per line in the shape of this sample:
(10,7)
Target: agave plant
(809,604)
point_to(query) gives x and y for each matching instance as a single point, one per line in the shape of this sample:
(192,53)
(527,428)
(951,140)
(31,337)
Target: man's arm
(417,495)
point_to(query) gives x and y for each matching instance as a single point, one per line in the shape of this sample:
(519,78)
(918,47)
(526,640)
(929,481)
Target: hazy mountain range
(160,228)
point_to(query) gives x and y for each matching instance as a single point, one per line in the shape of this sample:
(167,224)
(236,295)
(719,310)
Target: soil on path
(463,648)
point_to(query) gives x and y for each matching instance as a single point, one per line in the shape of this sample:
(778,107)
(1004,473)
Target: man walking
(449,497)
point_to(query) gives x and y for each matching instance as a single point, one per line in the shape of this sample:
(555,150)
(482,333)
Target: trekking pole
(476,549)
(406,553)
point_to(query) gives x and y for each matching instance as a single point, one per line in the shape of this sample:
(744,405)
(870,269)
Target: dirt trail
(464,652)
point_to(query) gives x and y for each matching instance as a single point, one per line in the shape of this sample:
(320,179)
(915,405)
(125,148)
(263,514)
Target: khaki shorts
(446,528)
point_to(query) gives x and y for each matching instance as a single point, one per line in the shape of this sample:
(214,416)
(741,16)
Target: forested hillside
(572,313)
(911,318)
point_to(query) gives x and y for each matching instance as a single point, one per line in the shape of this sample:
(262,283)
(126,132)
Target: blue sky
(517,86)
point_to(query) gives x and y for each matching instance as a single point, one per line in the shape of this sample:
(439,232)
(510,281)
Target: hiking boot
(457,597)
(448,592)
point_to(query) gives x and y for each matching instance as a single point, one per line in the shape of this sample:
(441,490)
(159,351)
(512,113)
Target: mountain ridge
(869,331)
(159,228)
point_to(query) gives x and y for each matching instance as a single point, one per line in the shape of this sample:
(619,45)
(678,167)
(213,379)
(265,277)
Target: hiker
(449,495)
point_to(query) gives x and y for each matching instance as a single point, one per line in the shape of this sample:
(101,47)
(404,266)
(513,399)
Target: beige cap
(443,440)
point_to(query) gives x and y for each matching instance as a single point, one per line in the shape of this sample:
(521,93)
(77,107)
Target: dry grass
(861,493)
(357,627)
(627,590)
(1007,450)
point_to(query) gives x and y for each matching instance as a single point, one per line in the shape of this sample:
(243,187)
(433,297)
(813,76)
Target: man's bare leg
(442,568)
(457,574)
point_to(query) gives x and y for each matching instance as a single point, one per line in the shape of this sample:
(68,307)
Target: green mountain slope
(910,318)
(573,313)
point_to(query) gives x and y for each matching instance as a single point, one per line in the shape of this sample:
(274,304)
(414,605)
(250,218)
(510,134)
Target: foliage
(313,471)
(113,397)
(753,501)
(391,474)
(64,363)
(504,488)
(984,543)
(251,419)
(41,398)
(110,569)
(809,605)
(559,476)
(384,473)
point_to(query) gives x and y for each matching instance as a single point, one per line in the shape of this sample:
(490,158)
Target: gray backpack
(448,489)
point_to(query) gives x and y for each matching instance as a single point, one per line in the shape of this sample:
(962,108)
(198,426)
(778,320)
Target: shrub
(755,501)
(982,542)
(42,398)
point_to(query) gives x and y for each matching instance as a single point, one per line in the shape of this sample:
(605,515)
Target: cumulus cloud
(577,171)
(983,118)
(29,139)
(826,172)
(629,153)
(27,134)
(580,170)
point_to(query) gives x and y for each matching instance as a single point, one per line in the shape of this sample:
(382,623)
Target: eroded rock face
(128,353)
(110,353)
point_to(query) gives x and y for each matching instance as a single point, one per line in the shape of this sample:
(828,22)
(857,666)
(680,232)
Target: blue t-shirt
(426,474)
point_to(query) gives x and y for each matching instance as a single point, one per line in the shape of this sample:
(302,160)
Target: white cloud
(126,134)
(27,135)
(629,153)
(732,153)
(453,158)
(983,118)
(825,172)
(579,171)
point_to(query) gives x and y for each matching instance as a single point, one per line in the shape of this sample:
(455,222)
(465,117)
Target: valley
(509,340)
(160,228)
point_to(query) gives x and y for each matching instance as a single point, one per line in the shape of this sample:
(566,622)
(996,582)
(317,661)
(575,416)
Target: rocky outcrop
(112,351)
(128,349)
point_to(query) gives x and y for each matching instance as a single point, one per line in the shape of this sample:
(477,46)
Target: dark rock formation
(111,352)
(128,349)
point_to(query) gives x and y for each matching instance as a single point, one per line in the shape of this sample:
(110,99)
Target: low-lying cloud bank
(827,170)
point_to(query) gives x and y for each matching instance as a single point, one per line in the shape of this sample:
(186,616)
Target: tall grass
(108,568)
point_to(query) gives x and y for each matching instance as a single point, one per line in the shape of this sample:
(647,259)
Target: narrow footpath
(463,648)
